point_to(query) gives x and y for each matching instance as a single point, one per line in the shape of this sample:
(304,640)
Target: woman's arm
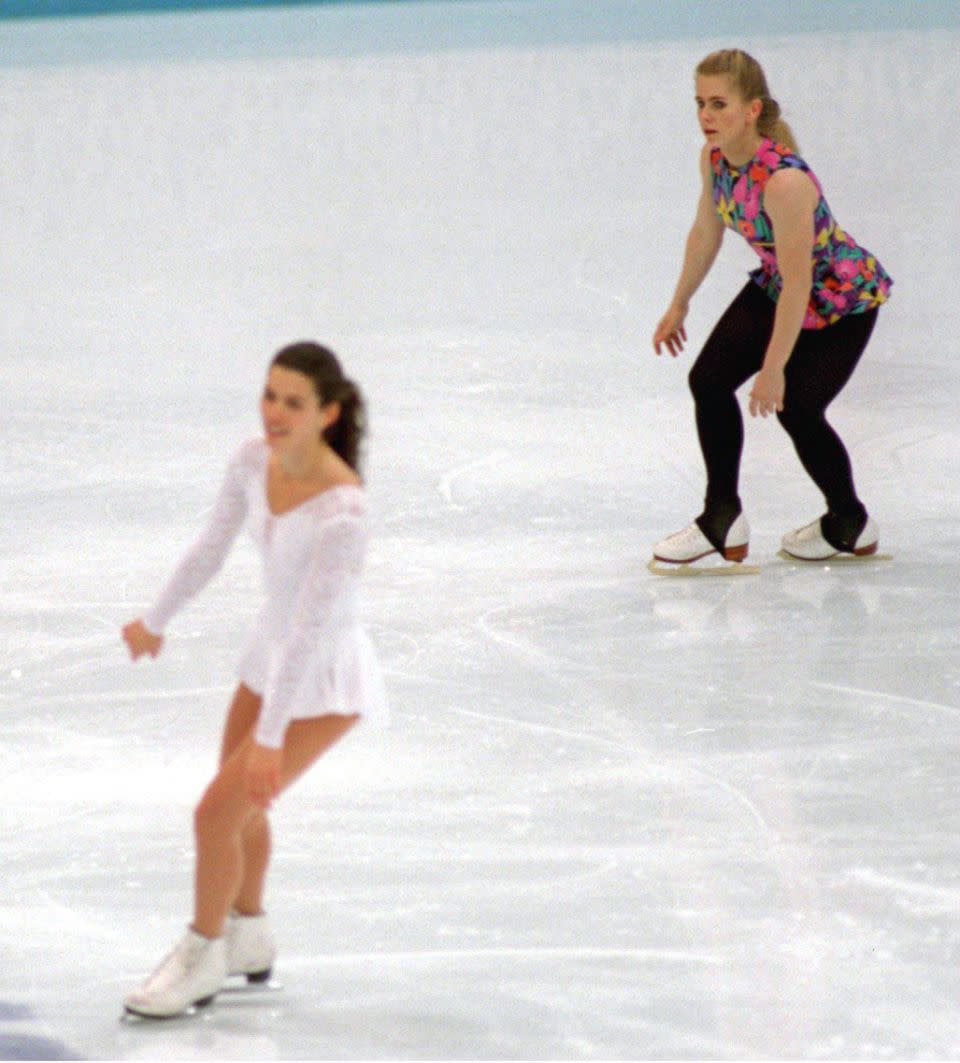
(790,198)
(703,243)
(197,567)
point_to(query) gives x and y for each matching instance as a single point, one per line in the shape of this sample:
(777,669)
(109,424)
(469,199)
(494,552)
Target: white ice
(616,816)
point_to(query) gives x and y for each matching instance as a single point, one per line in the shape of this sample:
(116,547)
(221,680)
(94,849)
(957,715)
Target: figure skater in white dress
(308,672)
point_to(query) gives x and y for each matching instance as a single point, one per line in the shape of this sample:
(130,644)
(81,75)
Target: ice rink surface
(616,816)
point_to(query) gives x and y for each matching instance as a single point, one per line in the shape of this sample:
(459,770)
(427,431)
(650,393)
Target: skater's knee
(206,817)
(220,812)
(785,419)
(709,383)
(256,824)
(796,418)
(701,382)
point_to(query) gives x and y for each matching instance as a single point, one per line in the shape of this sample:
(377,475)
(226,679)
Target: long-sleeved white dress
(307,654)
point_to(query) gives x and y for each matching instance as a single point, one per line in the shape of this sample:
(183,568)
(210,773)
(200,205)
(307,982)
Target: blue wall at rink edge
(61,8)
(44,32)
(682,18)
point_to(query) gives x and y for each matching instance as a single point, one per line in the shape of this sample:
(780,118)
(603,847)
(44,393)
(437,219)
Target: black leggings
(820,365)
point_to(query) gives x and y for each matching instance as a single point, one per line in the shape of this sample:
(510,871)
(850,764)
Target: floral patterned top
(847,279)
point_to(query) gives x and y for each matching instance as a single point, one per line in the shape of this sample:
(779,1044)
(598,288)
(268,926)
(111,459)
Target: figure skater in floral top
(799,326)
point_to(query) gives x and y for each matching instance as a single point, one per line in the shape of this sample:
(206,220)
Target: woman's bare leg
(255,840)
(225,812)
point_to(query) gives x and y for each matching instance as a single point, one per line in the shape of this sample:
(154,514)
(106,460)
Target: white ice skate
(808,544)
(191,976)
(250,947)
(690,552)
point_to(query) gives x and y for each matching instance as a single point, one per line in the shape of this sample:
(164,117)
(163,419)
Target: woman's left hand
(766,395)
(263,774)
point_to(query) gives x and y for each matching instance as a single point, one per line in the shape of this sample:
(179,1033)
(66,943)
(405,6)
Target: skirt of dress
(350,682)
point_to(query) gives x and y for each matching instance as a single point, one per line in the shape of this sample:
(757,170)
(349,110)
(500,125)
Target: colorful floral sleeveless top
(847,279)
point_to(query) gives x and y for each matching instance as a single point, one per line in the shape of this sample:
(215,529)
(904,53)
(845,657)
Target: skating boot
(191,975)
(690,546)
(250,947)
(810,544)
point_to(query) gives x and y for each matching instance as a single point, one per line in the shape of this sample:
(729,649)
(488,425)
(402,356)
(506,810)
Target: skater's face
(727,120)
(293,416)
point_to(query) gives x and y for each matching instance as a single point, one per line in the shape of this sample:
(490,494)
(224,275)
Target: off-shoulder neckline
(327,494)
(336,489)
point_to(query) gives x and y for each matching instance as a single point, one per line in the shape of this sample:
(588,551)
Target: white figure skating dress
(307,654)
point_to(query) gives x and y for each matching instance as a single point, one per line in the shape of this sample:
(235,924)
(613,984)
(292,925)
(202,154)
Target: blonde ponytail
(771,125)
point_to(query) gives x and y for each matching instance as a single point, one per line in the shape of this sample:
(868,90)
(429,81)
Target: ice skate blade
(131,1015)
(239,986)
(721,568)
(839,559)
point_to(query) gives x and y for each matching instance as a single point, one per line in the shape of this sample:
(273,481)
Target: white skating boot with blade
(808,544)
(690,545)
(250,947)
(191,975)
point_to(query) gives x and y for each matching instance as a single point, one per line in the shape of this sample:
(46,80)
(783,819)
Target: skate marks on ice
(614,732)
(532,953)
(671,772)
(518,628)
(447,485)
(541,634)
(920,898)
(898,702)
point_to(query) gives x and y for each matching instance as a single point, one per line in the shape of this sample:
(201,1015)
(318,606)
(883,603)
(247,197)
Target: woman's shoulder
(778,157)
(792,184)
(247,463)
(346,499)
(251,454)
(344,491)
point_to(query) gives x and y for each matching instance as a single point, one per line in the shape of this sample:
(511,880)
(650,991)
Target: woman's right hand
(670,331)
(140,640)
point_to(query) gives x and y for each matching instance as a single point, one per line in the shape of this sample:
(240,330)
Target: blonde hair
(749,80)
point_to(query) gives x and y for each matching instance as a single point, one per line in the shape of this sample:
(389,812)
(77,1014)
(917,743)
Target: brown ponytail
(346,434)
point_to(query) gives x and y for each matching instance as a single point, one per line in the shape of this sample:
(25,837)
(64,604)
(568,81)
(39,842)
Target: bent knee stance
(798,420)
(706,383)
(825,458)
(207,817)
(734,349)
(220,814)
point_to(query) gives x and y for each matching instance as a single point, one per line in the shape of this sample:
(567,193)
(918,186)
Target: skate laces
(690,534)
(184,954)
(808,531)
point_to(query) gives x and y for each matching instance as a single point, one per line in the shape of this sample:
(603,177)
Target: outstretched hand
(140,640)
(670,331)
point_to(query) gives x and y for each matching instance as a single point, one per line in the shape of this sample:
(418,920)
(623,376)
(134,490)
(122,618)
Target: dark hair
(750,81)
(320,364)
